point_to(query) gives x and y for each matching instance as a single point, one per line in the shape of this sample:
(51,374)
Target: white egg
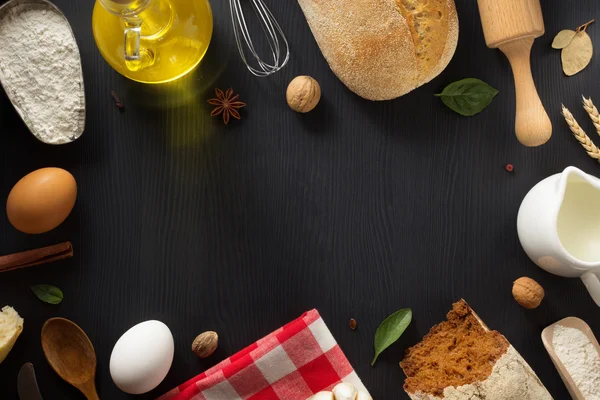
(142,357)
(344,391)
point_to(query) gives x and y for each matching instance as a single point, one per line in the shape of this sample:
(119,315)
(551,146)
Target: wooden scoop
(548,333)
(14,8)
(512,26)
(71,355)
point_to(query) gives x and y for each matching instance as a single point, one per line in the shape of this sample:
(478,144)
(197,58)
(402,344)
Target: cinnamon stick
(36,257)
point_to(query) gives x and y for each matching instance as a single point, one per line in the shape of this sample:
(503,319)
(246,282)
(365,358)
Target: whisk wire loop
(276,40)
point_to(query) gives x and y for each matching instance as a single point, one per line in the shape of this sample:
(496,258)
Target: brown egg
(42,200)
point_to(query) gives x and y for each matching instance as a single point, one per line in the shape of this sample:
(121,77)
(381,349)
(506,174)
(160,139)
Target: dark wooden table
(357,209)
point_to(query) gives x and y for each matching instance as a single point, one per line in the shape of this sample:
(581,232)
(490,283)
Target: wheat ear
(580,135)
(592,111)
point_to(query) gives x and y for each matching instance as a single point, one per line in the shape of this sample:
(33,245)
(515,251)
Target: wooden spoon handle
(89,390)
(532,125)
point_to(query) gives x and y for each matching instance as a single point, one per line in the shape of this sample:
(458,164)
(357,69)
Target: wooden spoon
(548,333)
(71,354)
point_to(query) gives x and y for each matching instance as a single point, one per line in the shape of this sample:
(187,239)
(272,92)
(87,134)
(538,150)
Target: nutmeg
(303,94)
(205,344)
(527,292)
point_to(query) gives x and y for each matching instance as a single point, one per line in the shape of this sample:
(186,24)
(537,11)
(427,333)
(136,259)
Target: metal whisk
(278,44)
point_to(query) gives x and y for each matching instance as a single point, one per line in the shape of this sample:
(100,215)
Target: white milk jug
(559,227)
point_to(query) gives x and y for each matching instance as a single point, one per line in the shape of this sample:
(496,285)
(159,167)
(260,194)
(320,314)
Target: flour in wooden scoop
(40,69)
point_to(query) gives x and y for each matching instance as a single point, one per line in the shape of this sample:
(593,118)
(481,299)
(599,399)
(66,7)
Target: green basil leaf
(468,96)
(48,293)
(390,330)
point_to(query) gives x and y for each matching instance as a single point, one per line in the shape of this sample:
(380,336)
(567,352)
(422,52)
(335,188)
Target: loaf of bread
(461,359)
(383,49)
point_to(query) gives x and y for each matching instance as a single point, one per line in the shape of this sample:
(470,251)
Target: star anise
(226,104)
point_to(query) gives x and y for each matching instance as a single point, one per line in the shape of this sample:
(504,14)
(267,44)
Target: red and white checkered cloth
(292,363)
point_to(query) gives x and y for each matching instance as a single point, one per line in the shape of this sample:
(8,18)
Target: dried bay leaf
(563,39)
(577,55)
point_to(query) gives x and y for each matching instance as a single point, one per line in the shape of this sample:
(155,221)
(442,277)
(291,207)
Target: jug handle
(136,58)
(592,283)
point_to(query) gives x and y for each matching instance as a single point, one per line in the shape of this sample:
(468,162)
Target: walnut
(528,292)
(205,344)
(303,94)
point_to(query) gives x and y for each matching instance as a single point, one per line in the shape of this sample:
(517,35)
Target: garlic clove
(363,396)
(345,391)
(323,396)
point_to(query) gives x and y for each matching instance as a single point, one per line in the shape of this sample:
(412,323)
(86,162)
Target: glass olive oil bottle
(152,41)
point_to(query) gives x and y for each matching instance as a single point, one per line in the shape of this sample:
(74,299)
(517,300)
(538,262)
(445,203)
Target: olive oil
(152,41)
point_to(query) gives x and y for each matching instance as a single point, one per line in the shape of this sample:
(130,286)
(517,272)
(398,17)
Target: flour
(580,358)
(40,69)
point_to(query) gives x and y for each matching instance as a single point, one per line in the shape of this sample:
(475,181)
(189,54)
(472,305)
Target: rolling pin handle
(532,125)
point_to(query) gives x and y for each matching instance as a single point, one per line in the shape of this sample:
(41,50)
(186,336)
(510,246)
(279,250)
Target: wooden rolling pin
(512,26)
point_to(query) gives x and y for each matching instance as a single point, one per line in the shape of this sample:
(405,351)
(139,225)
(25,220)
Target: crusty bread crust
(369,45)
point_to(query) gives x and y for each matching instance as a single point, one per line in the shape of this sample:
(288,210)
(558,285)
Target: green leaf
(48,293)
(468,96)
(390,330)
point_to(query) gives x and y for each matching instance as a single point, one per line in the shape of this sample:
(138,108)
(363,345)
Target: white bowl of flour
(40,70)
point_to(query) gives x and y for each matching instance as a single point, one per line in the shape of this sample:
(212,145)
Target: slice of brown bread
(461,359)
(383,49)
